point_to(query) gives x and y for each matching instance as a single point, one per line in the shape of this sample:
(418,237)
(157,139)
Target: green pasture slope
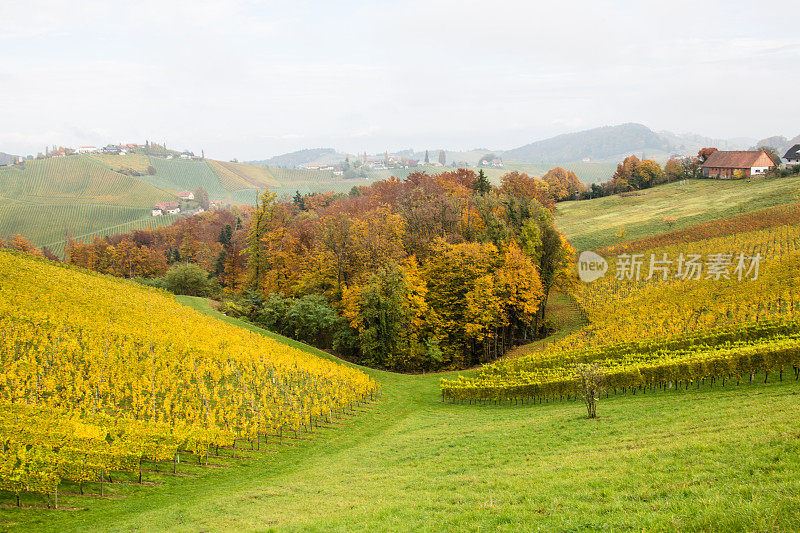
(83,196)
(706,460)
(591,224)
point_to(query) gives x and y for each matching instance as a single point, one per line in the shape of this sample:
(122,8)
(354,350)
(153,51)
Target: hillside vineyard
(99,374)
(685,330)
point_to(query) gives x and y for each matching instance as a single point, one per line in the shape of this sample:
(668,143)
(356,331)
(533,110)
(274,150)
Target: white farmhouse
(792,156)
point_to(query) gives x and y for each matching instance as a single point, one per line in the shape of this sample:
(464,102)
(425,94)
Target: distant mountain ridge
(779,142)
(294,159)
(603,144)
(598,143)
(7,158)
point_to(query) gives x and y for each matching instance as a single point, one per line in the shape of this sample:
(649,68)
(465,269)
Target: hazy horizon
(250,79)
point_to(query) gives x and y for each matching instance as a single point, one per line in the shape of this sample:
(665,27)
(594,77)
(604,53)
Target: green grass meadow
(597,223)
(698,460)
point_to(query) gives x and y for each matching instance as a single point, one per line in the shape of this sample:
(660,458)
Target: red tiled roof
(732,159)
(167,205)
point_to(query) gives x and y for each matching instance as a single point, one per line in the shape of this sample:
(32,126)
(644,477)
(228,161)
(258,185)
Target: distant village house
(493,163)
(170,208)
(792,156)
(724,164)
(186,195)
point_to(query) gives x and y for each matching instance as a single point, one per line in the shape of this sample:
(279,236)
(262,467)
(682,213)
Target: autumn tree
(704,153)
(563,184)
(258,228)
(201,197)
(691,167)
(451,272)
(554,256)
(20,244)
(389,312)
(673,170)
(520,185)
(647,174)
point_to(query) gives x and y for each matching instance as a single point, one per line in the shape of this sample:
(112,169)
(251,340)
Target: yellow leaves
(87,432)
(83,342)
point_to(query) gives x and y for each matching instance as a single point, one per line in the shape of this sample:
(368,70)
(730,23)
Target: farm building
(86,149)
(792,156)
(170,208)
(157,212)
(186,195)
(725,164)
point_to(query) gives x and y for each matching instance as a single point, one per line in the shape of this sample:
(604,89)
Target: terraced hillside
(51,200)
(238,176)
(81,196)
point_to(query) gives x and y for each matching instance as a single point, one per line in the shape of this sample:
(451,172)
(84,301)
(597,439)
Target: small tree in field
(590,384)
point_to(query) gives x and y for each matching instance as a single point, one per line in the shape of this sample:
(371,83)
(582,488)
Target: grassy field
(677,461)
(596,223)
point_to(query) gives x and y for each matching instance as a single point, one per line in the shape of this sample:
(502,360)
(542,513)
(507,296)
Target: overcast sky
(251,79)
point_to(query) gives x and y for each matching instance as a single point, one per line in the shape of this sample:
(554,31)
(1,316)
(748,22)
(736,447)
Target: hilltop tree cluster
(634,174)
(429,272)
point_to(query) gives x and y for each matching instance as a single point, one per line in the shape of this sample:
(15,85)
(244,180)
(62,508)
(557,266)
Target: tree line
(428,272)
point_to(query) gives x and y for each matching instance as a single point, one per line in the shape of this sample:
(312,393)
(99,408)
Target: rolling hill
(698,456)
(300,157)
(607,221)
(598,143)
(54,199)
(778,142)
(6,159)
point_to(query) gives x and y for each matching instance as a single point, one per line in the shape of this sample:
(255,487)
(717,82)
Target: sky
(249,79)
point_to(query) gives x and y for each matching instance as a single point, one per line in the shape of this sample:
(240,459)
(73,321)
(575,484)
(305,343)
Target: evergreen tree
(481,184)
(299,201)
